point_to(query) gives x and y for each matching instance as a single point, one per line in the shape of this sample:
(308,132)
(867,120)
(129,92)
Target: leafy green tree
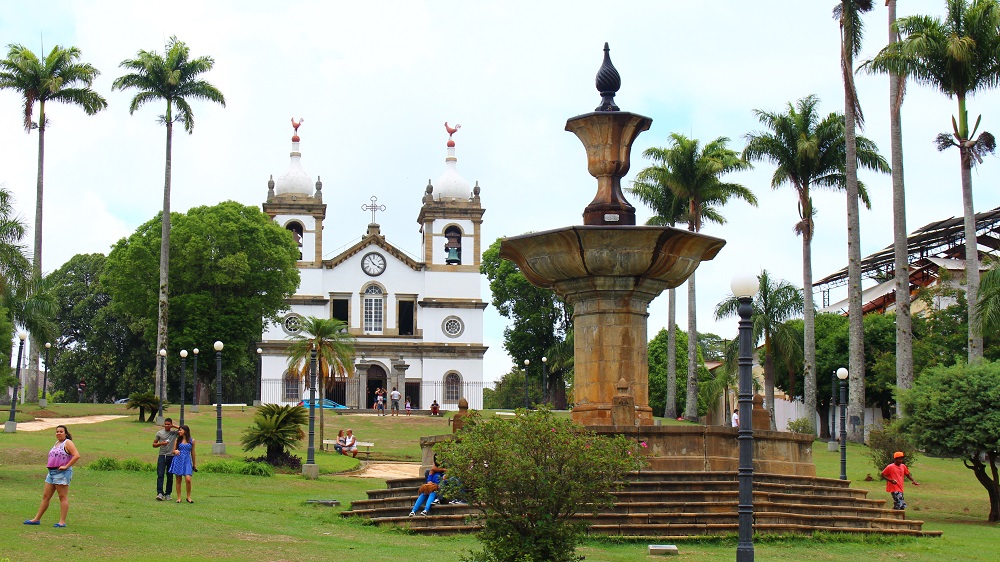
(808,152)
(694,174)
(774,303)
(334,354)
(988,308)
(952,412)
(59,77)
(277,428)
(940,332)
(232,268)
(960,56)
(530,476)
(172,77)
(541,323)
(658,374)
(651,186)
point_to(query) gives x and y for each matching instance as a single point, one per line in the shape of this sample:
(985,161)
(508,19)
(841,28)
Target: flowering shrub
(530,475)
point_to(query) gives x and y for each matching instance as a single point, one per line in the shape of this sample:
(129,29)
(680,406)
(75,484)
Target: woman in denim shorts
(62,457)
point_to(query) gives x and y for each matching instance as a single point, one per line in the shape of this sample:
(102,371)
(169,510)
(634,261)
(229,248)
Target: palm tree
(172,77)
(960,56)
(692,174)
(848,13)
(57,78)
(651,187)
(988,308)
(277,428)
(809,153)
(775,302)
(904,323)
(334,354)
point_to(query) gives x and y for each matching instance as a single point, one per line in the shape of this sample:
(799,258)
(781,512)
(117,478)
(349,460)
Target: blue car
(325,404)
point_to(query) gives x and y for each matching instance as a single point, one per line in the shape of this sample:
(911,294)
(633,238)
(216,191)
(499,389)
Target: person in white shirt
(350,444)
(736,418)
(395,396)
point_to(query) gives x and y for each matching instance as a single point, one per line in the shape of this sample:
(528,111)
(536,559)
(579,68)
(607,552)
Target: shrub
(277,428)
(530,476)
(132,465)
(801,425)
(105,463)
(238,467)
(286,462)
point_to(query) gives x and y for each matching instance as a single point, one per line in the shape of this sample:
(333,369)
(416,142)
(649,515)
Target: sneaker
(425,512)
(457,502)
(410,515)
(437,500)
(159,497)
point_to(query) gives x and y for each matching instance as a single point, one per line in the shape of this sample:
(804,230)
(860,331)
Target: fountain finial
(608,82)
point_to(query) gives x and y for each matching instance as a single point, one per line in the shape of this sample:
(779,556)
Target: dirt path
(389,470)
(50,423)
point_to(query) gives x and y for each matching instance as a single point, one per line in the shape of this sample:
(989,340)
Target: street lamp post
(218,448)
(11,425)
(310,470)
(194,383)
(545,380)
(526,402)
(260,381)
(744,288)
(831,445)
(163,362)
(43,402)
(184,355)
(842,375)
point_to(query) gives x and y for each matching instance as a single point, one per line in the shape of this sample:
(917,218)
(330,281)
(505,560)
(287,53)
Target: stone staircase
(674,504)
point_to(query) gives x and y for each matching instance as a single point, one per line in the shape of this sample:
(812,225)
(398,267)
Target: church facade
(417,322)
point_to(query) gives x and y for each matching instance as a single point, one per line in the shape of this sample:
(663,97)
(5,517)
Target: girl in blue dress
(184,463)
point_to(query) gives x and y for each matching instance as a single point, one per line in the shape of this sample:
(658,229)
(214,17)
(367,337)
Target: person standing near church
(395,396)
(165,440)
(894,475)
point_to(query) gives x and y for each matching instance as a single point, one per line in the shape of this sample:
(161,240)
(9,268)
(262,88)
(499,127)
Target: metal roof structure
(944,238)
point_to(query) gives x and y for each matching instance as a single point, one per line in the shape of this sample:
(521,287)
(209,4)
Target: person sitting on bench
(350,444)
(341,441)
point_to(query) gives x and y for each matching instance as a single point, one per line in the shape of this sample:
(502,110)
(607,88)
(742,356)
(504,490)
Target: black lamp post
(545,380)
(163,362)
(11,425)
(526,402)
(43,402)
(194,382)
(260,381)
(744,288)
(184,355)
(310,469)
(842,375)
(218,448)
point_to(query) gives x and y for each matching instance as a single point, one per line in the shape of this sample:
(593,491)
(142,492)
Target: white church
(418,324)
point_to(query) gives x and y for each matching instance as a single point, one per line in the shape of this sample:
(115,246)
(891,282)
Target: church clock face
(373,263)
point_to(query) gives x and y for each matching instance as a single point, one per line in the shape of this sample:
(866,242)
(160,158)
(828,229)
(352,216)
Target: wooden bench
(367,445)
(242,407)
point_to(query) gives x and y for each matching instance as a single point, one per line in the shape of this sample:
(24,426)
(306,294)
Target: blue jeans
(162,469)
(429,497)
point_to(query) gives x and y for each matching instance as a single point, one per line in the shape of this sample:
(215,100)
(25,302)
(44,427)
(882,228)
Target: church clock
(373,264)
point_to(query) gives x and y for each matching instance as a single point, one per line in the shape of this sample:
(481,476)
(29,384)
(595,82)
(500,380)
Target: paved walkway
(40,424)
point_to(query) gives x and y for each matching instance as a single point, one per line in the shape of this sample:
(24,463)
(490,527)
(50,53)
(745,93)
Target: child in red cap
(894,475)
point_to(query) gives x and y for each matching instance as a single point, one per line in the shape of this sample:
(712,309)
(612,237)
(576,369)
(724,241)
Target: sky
(375,81)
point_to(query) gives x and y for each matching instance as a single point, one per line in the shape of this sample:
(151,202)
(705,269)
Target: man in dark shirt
(165,440)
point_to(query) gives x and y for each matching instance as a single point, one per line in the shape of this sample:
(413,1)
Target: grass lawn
(113,515)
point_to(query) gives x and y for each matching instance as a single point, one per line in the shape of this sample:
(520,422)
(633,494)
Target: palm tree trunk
(691,408)
(161,321)
(670,411)
(856,332)
(31,375)
(808,317)
(904,325)
(975,341)
(769,380)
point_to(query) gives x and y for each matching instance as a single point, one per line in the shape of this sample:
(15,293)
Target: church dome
(451,184)
(295,180)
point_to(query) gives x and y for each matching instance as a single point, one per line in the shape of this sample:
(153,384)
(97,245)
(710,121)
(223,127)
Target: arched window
(292,387)
(452,387)
(374,300)
(296,230)
(453,247)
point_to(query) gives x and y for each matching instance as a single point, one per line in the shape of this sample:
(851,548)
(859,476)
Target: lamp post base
(43,403)
(256,403)
(159,419)
(194,408)
(310,471)
(218,448)
(10,427)
(832,446)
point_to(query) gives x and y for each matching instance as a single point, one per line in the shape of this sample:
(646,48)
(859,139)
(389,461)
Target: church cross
(373,207)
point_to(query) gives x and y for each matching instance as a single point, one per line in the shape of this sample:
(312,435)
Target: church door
(376,379)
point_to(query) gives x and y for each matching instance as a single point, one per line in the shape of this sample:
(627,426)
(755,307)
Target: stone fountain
(609,269)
